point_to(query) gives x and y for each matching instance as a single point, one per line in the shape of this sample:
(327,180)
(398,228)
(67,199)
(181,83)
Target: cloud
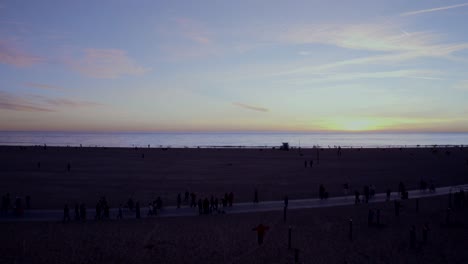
(44,86)
(11,54)
(372,37)
(193,30)
(106,64)
(349,76)
(12,102)
(69,103)
(38,103)
(394,44)
(417,12)
(251,107)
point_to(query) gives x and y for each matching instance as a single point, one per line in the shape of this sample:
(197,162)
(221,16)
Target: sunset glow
(237,66)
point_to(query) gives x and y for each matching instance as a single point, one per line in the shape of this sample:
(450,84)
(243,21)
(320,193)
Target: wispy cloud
(44,86)
(394,44)
(349,76)
(193,30)
(59,102)
(251,107)
(186,38)
(106,63)
(39,103)
(11,54)
(417,12)
(13,102)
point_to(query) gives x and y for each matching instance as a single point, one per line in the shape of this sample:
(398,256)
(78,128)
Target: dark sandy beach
(320,235)
(119,173)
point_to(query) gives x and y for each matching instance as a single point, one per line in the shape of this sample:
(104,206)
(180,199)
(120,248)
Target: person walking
(66,213)
(261,229)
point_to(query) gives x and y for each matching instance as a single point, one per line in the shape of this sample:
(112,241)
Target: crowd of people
(17,207)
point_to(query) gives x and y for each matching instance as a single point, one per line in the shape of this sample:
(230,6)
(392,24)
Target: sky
(364,65)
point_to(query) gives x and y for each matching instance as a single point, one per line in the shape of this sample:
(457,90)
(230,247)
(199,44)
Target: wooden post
(296,256)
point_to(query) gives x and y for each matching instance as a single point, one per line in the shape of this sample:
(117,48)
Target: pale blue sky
(234,65)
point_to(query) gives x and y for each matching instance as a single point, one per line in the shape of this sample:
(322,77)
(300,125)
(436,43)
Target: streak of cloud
(13,102)
(44,86)
(106,64)
(39,103)
(251,107)
(417,12)
(12,55)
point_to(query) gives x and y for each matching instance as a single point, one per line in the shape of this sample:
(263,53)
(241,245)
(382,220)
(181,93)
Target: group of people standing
(80,212)
(17,207)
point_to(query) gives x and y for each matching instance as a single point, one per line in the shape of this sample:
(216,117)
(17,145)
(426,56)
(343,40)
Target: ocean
(243,139)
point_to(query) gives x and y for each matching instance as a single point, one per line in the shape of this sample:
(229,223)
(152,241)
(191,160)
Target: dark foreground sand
(119,173)
(321,235)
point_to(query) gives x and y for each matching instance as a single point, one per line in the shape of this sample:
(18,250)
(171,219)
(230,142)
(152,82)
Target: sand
(320,235)
(119,173)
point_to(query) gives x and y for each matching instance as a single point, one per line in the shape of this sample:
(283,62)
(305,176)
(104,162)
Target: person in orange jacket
(261,229)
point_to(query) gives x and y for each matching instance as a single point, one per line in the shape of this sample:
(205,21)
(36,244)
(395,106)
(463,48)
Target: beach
(320,235)
(145,173)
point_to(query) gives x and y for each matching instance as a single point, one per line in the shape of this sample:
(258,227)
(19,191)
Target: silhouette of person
(413,236)
(159,203)
(194,198)
(231,199)
(366,193)
(311,163)
(68,167)
(98,211)
(321,192)
(83,212)
(119,214)
(179,200)
(212,204)
(186,197)
(388,194)
(137,208)
(261,229)
(356,197)
(28,202)
(200,206)
(66,213)
(130,204)
(77,212)
(255,196)
(106,211)
(425,232)
(286,201)
(226,199)
(206,206)
(305,163)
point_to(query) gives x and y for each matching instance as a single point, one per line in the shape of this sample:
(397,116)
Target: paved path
(171,211)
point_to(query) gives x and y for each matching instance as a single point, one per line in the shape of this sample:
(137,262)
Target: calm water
(231,139)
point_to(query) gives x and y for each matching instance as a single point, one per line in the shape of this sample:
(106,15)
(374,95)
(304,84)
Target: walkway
(171,211)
